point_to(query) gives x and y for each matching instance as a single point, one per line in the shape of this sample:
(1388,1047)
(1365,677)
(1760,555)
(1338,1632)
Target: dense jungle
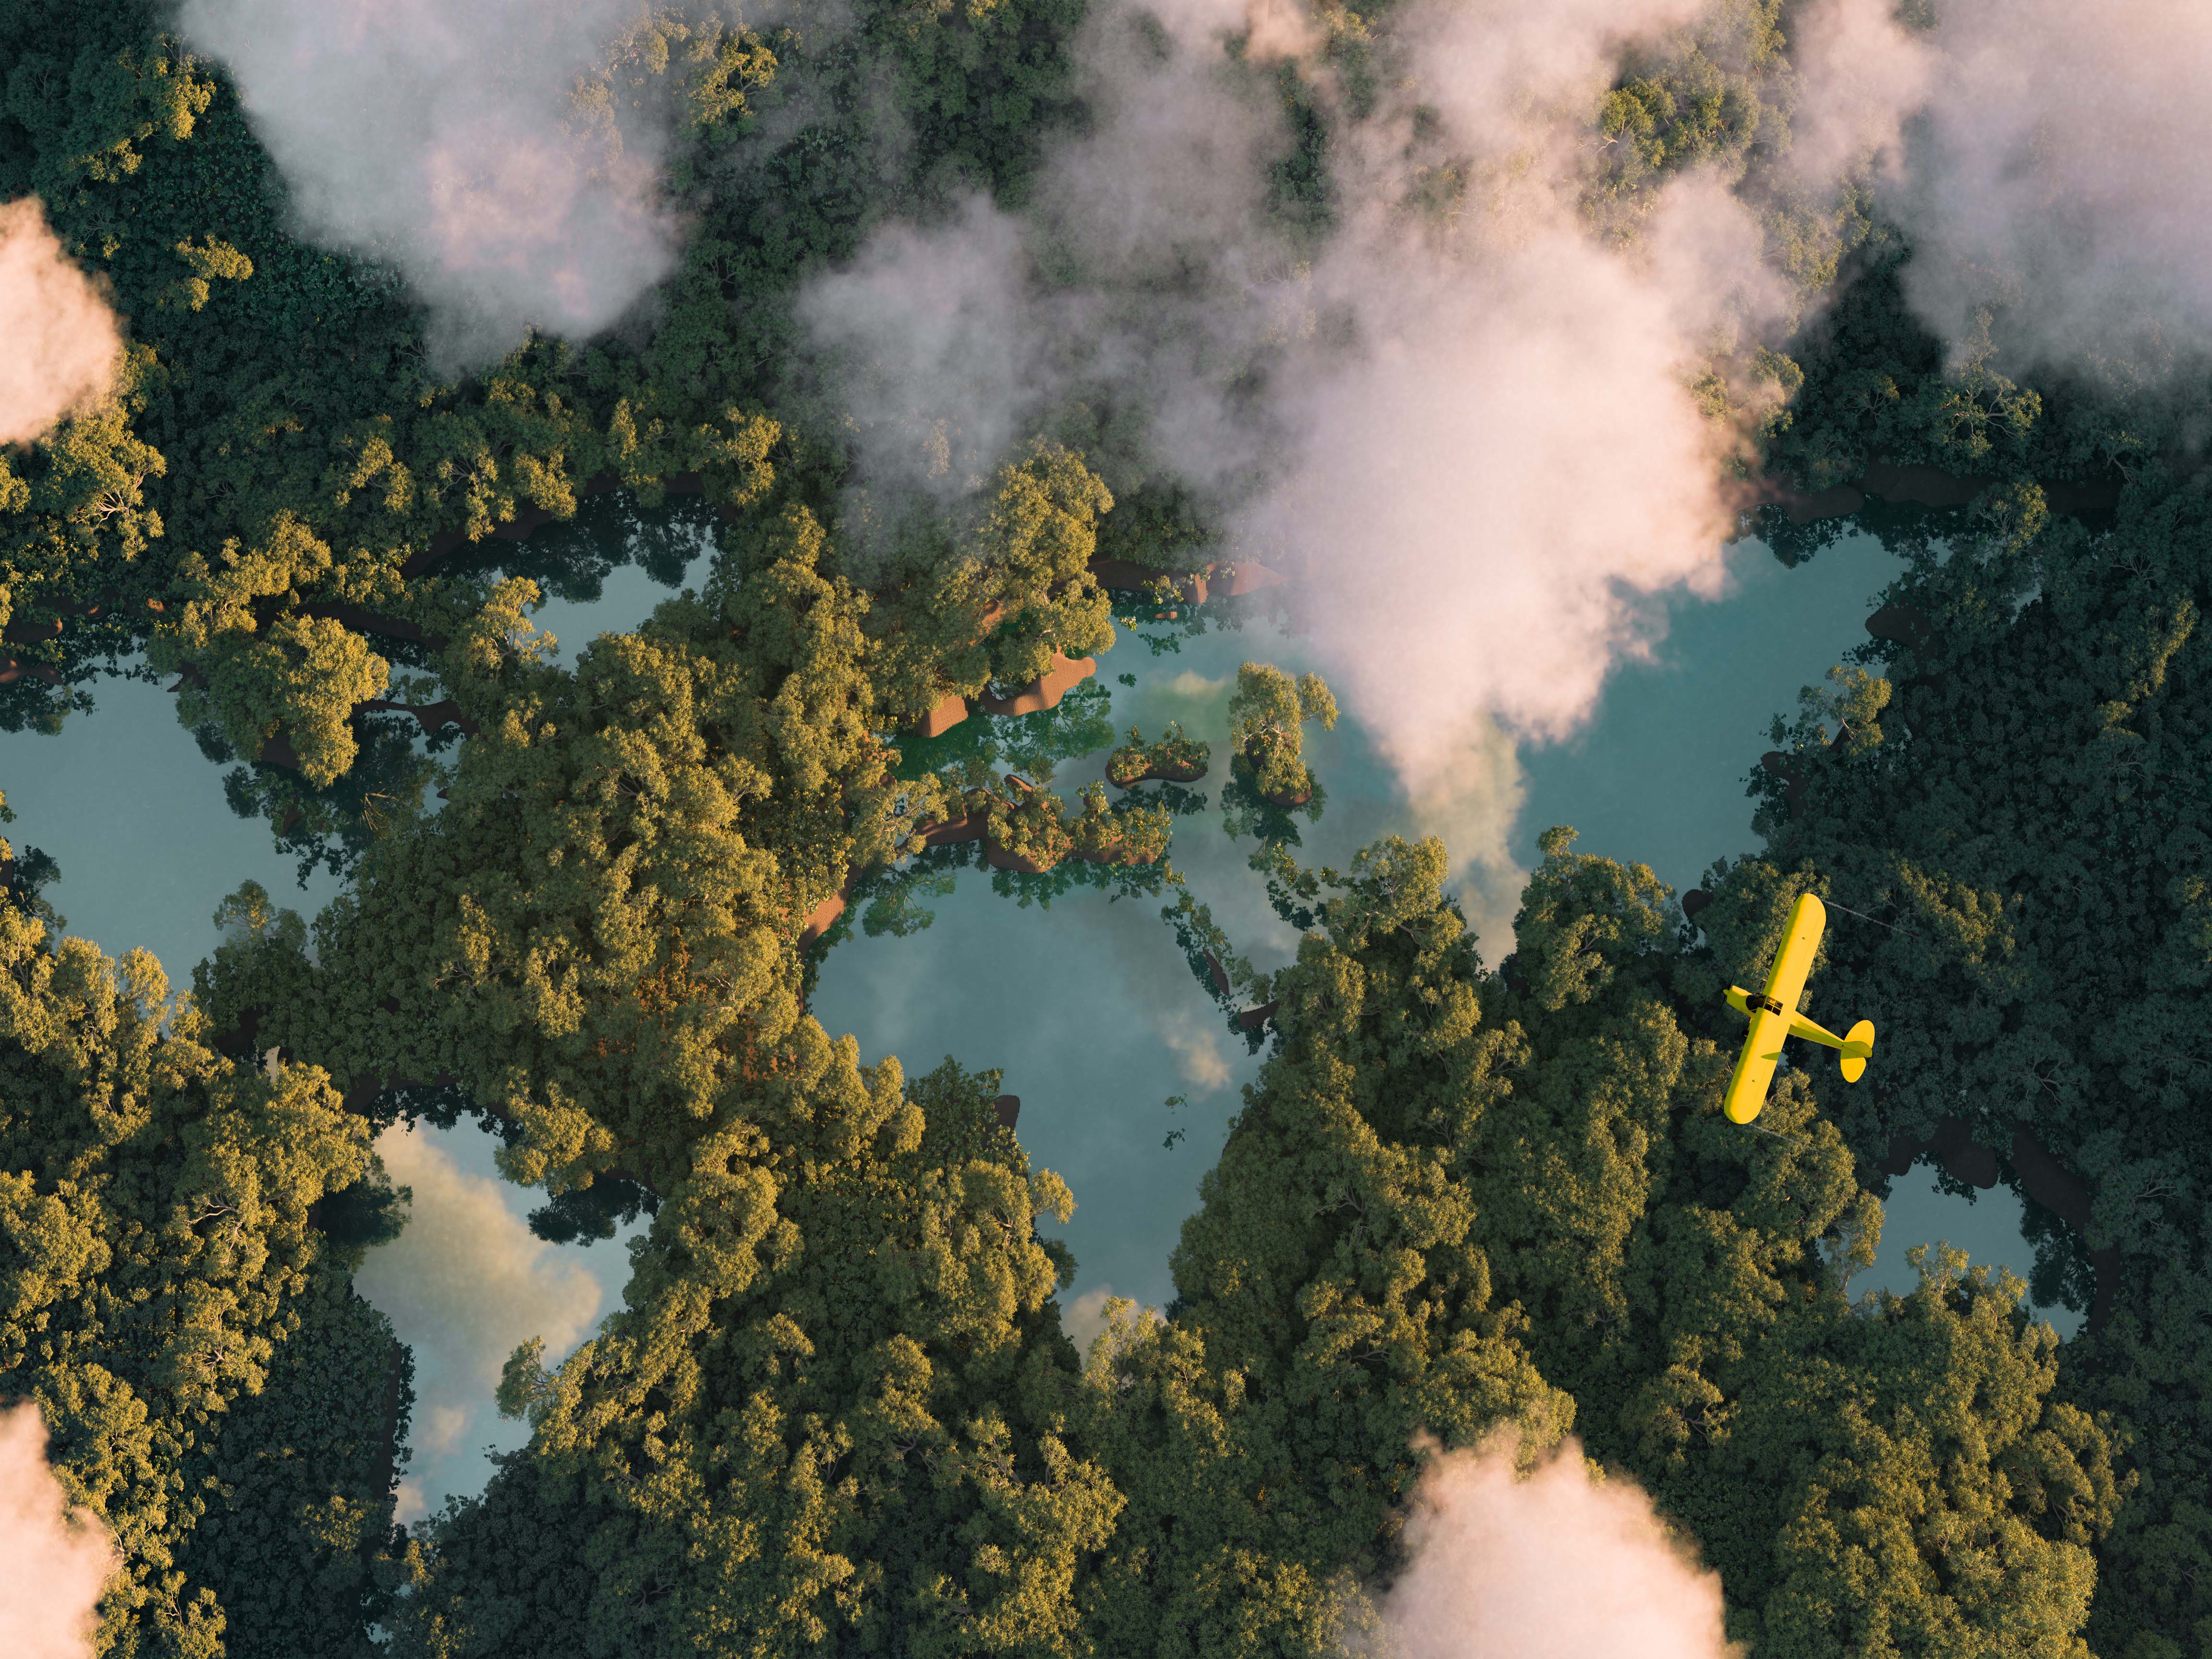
(1472,1189)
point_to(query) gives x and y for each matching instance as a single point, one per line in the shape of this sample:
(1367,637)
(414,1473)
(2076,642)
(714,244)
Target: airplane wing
(1755,1066)
(1769,1025)
(1794,961)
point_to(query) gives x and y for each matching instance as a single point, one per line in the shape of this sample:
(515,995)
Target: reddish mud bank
(364,621)
(1063,676)
(535,517)
(434,716)
(999,859)
(1900,623)
(824,916)
(949,713)
(972,828)
(387,1427)
(2042,1177)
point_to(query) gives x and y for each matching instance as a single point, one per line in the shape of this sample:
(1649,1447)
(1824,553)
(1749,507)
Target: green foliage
(216,1393)
(594,935)
(1267,713)
(1906,1465)
(1128,832)
(837,1409)
(836,1412)
(1178,758)
(2019,808)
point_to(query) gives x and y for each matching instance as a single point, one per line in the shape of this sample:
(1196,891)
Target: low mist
(1557,1566)
(447,138)
(53,1559)
(63,341)
(2051,167)
(2063,173)
(1468,429)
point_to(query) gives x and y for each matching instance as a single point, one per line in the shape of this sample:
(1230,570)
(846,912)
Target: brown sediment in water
(1218,974)
(533,518)
(1117,855)
(1063,676)
(277,751)
(1124,574)
(1196,586)
(1246,576)
(388,1433)
(364,1091)
(2042,1177)
(1778,764)
(363,620)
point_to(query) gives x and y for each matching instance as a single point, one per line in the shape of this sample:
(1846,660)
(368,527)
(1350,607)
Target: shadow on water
(1999,1227)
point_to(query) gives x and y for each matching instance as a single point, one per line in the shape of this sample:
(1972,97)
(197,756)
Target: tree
(837,1410)
(215,1391)
(1853,1473)
(1267,716)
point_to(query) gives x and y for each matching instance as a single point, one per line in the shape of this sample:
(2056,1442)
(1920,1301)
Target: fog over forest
(950,366)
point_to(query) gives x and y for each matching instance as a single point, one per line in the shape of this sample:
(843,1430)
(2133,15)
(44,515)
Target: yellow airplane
(1774,1016)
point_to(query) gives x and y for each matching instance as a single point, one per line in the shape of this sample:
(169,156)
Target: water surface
(1129,1071)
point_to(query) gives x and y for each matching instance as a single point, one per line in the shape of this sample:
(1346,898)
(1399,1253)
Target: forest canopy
(961,332)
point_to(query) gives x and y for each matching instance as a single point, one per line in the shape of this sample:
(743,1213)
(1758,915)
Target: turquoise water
(1987,1227)
(134,814)
(464,1284)
(1129,1071)
(1096,1016)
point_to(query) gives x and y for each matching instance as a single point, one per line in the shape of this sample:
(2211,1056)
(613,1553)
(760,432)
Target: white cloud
(441,134)
(2054,167)
(1473,801)
(63,341)
(935,386)
(464,1285)
(1559,1566)
(1091,1315)
(53,1559)
(1194,687)
(1470,433)
(441,1429)
(1860,77)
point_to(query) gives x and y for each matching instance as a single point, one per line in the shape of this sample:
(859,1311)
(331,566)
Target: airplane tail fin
(1858,1043)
